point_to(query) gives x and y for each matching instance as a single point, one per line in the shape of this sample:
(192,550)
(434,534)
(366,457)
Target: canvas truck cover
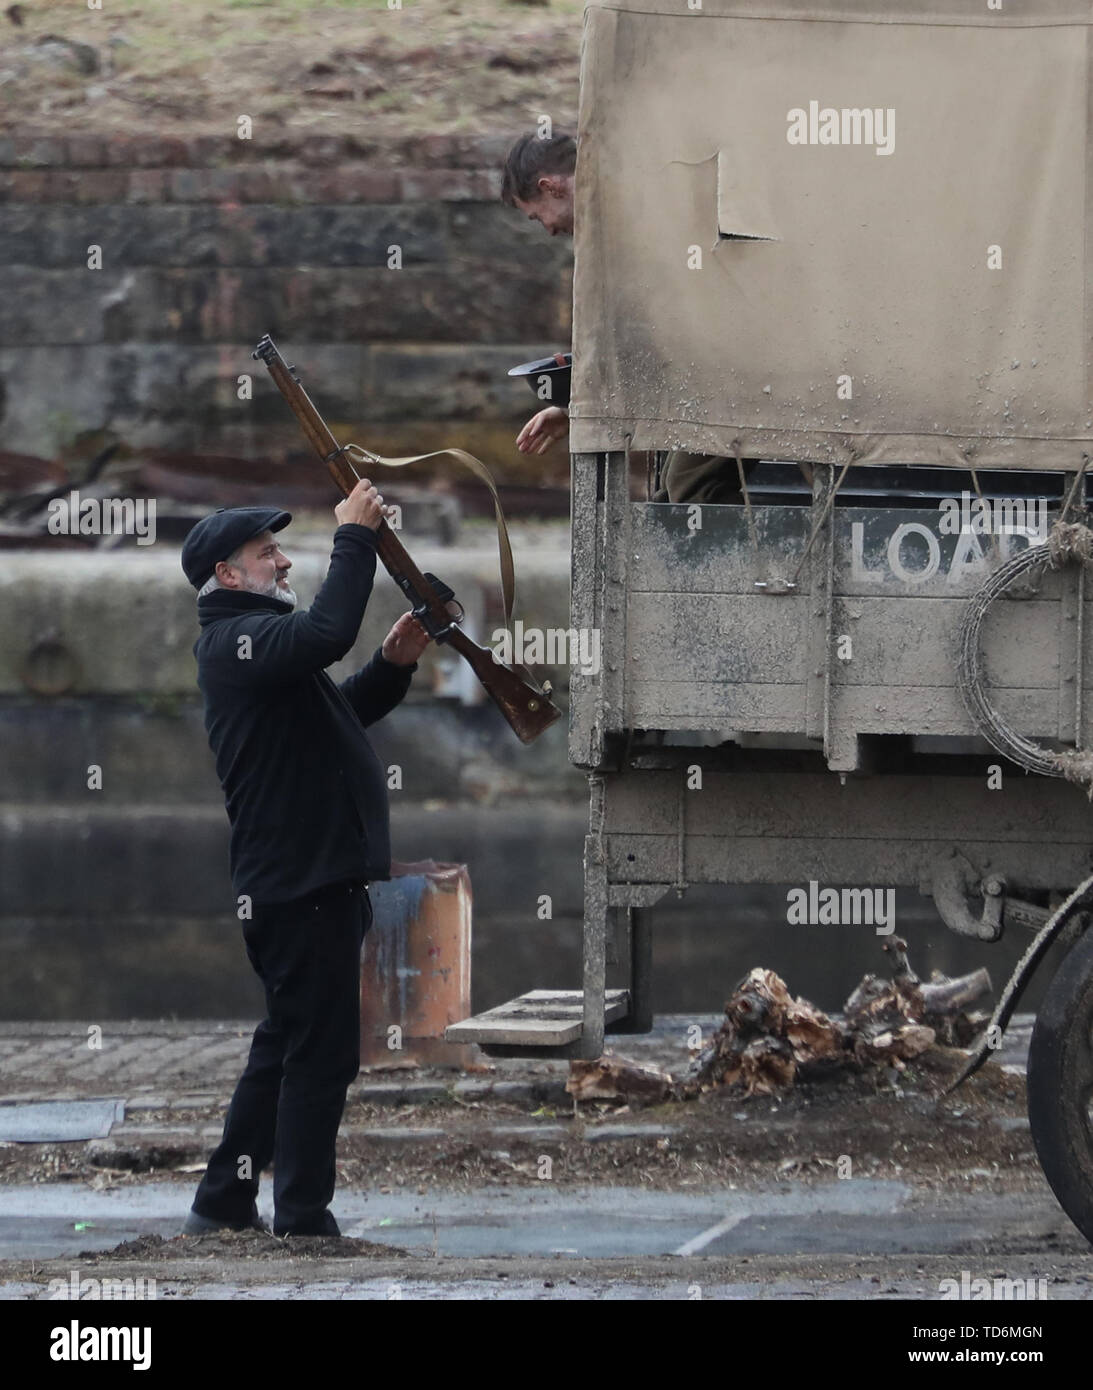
(853,232)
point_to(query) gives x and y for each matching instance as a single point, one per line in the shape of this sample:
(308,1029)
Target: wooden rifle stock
(528,710)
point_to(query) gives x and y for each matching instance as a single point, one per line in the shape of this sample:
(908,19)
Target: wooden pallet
(540,1018)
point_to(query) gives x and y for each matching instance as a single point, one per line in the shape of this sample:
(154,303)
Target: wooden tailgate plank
(540,1018)
(530,1032)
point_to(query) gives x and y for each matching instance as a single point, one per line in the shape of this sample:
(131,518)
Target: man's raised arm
(288,648)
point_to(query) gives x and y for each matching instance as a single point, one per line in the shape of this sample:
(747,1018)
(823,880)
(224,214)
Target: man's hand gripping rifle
(527,708)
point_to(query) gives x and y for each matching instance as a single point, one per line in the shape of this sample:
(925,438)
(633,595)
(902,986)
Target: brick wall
(208,243)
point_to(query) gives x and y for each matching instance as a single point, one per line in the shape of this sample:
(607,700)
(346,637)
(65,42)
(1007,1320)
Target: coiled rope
(1068,543)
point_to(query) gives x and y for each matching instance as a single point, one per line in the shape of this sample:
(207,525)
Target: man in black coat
(307,800)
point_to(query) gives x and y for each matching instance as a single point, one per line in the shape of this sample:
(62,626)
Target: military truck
(852,245)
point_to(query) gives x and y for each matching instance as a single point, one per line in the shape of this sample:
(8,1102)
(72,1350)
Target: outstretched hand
(544,430)
(405,642)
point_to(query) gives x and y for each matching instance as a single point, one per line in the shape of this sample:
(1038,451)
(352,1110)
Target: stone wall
(117,902)
(116,899)
(208,243)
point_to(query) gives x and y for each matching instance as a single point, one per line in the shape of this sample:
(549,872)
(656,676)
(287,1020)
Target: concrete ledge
(395,1135)
(393,1093)
(163,927)
(608,1132)
(531,1134)
(171,867)
(545,1092)
(425,1092)
(156,752)
(128,619)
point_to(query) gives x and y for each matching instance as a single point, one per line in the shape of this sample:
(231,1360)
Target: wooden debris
(944,997)
(766,1036)
(610,1076)
(898,1014)
(769,1038)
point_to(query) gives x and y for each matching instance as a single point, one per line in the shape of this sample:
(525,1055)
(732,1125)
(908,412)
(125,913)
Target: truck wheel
(1060,1085)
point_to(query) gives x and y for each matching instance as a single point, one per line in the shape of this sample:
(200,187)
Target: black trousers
(289,1101)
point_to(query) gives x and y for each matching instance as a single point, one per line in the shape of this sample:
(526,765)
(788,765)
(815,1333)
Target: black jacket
(306,795)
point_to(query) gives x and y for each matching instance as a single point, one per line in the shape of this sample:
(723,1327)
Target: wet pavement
(852,1239)
(857,1216)
(830,1238)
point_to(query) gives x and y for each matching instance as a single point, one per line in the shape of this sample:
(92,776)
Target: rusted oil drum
(416,966)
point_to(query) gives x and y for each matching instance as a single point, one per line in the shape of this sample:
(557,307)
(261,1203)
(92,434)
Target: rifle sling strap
(479,469)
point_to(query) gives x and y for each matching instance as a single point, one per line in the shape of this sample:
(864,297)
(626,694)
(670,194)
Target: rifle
(528,709)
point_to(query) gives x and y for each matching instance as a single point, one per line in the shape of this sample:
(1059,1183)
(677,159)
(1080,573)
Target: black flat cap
(216,537)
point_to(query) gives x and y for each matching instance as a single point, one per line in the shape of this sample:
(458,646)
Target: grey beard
(287,595)
(269,590)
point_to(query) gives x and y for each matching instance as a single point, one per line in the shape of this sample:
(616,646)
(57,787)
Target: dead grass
(165,67)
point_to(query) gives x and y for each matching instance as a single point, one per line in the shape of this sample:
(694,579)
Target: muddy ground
(873,1123)
(877,1122)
